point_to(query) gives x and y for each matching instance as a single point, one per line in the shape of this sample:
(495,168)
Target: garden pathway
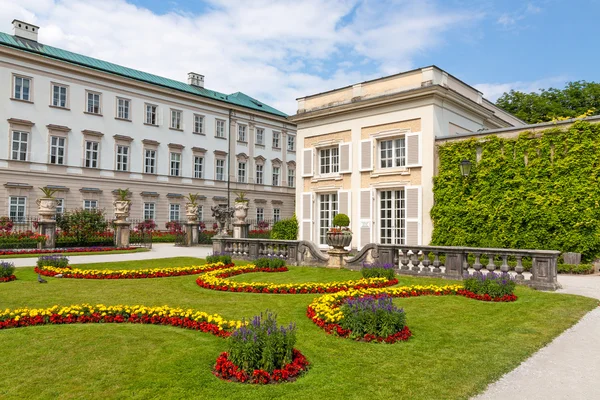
(159,250)
(567,368)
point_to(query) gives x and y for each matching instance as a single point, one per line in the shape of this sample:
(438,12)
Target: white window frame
(276,140)
(260,174)
(221,167)
(199,167)
(19,92)
(325,215)
(176,119)
(122,157)
(276,215)
(91,162)
(200,213)
(395,153)
(60,206)
(276,175)
(149,211)
(150,158)
(151,114)
(199,124)
(17,208)
(54,102)
(174,163)
(291,177)
(260,214)
(397,233)
(93,105)
(123,108)
(55,150)
(329,161)
(174,212)
(260,136)
(21,153)
(242,169)
(291,143)
(242,133)
(220,128)
(90,205)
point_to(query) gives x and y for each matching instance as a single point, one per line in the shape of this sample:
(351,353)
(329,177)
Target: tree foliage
(576,99)
(532,192)
(286,229)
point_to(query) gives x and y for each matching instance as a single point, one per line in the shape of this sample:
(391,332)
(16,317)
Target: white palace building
(87,127)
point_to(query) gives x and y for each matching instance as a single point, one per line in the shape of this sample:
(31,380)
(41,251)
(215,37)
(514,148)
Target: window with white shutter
(344,197)
(307,222)
(365,215)
(345,158)
(413,149)
(307,162)
(366,155)
(413,215)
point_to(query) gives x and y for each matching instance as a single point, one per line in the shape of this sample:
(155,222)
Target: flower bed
(216,280)
(8,278)
(69,250)
(227,370)
(135,314)
(327,313)
(6,271)
(129,273)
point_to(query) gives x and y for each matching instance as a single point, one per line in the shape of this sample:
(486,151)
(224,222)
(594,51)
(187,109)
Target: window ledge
(91,113)
(220,137)
(199,133)
(123,119)
(59,107)
(176,129)
(277,148)
(21,100)
(394,171)
(242,141)
(147,124)
(262,146)
(326,178)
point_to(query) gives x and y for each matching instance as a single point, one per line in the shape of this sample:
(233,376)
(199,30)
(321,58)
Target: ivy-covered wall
(537,191)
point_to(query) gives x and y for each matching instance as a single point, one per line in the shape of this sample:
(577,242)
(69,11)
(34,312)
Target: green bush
(372,316)
(575,269)
(286,229)
(6,269)
(262,344)
(82,228)
(271,263)
(378,271)
(341,220)
(492,284)
(57,261)
(215,258)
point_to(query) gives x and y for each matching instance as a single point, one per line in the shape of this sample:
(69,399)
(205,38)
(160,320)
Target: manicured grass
(83,253)
(459,345)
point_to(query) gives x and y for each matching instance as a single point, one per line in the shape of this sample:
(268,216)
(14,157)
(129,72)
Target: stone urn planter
(240,211)
(191,212)
(338,239)
(122,208)
(47,204)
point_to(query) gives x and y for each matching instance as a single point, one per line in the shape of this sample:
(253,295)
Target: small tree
(82,225)
(286,229)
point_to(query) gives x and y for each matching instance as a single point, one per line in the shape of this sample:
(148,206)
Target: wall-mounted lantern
(465,167)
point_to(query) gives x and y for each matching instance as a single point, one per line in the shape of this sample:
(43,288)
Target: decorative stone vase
(339,240)
(241,211)
(122,209)
(47,208)
(191,212)
(222,214)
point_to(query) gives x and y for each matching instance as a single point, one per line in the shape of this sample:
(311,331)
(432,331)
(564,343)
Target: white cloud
(269,49)
(492,91)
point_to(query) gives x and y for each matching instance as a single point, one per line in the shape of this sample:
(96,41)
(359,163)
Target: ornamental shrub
(376,270)
(215,258)
(341,220)
(575,269)
(53,261)
(82,227)
(6,269)
(261,344)
(286,229)
(492,284)
(369,315)
(269,262)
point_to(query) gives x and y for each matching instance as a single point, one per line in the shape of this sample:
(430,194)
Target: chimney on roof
(25,30)
(195,79)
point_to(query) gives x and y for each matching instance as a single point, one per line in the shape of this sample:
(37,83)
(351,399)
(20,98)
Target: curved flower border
(76,273)
(135,314)
(216,280)
(66,250)
(8,278)
(228,371)
(326,313)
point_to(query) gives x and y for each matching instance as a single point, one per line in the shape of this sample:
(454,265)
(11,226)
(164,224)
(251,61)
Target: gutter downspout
(229,159)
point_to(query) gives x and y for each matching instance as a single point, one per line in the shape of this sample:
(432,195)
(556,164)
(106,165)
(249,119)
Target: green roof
(238,98)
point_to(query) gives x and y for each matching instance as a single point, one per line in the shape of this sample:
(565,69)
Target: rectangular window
(259,174)
(60,206)
(176,119)
(174,212)
(276,215)
(276,140)
(220,170)
(90,205)
(200,213)
(260,214)
(242,172)
(260,136)
(22,88)
(275,176)
(59,96)
(175,169)
(151,114)
(17,208)
(122,158)
(20,142)
(93,103)
(198,124)
(392,212)
(123,108)
(328,208)
(150,161)
(149,211)
(220,131)
(57,150)
(329,160)
(198,167)
(242,133)
(291,143)
(91,154)
(392,153)
(291,177)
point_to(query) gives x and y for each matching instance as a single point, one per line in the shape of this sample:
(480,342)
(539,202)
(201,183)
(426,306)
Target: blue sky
(278,50)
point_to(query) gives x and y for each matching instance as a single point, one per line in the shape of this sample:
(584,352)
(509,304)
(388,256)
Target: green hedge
(286,229)
(575,269)
(537,191)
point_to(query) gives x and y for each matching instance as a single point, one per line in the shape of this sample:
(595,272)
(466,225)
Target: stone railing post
(191,233)
(454,264)
(48,228)
(292,254)
(543,271)
(218,244)
(122,229)
(386,254)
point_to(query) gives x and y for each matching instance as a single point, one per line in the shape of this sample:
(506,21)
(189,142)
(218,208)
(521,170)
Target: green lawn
(83,253)
(459,345)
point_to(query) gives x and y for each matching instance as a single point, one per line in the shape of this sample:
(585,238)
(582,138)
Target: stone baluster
(504,267)
(404,260)
(436,263)
(491,266)
(519,269)
(415,260)
(477,264)
(426,262)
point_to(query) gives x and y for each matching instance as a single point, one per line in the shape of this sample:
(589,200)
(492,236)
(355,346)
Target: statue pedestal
(48,228)
(336,257)
(122,233)
(240,230)
(191,233)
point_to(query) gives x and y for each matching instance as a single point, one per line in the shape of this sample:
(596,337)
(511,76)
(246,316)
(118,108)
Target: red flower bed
(8,278)
(486,297)
(66,250)
(226,370)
